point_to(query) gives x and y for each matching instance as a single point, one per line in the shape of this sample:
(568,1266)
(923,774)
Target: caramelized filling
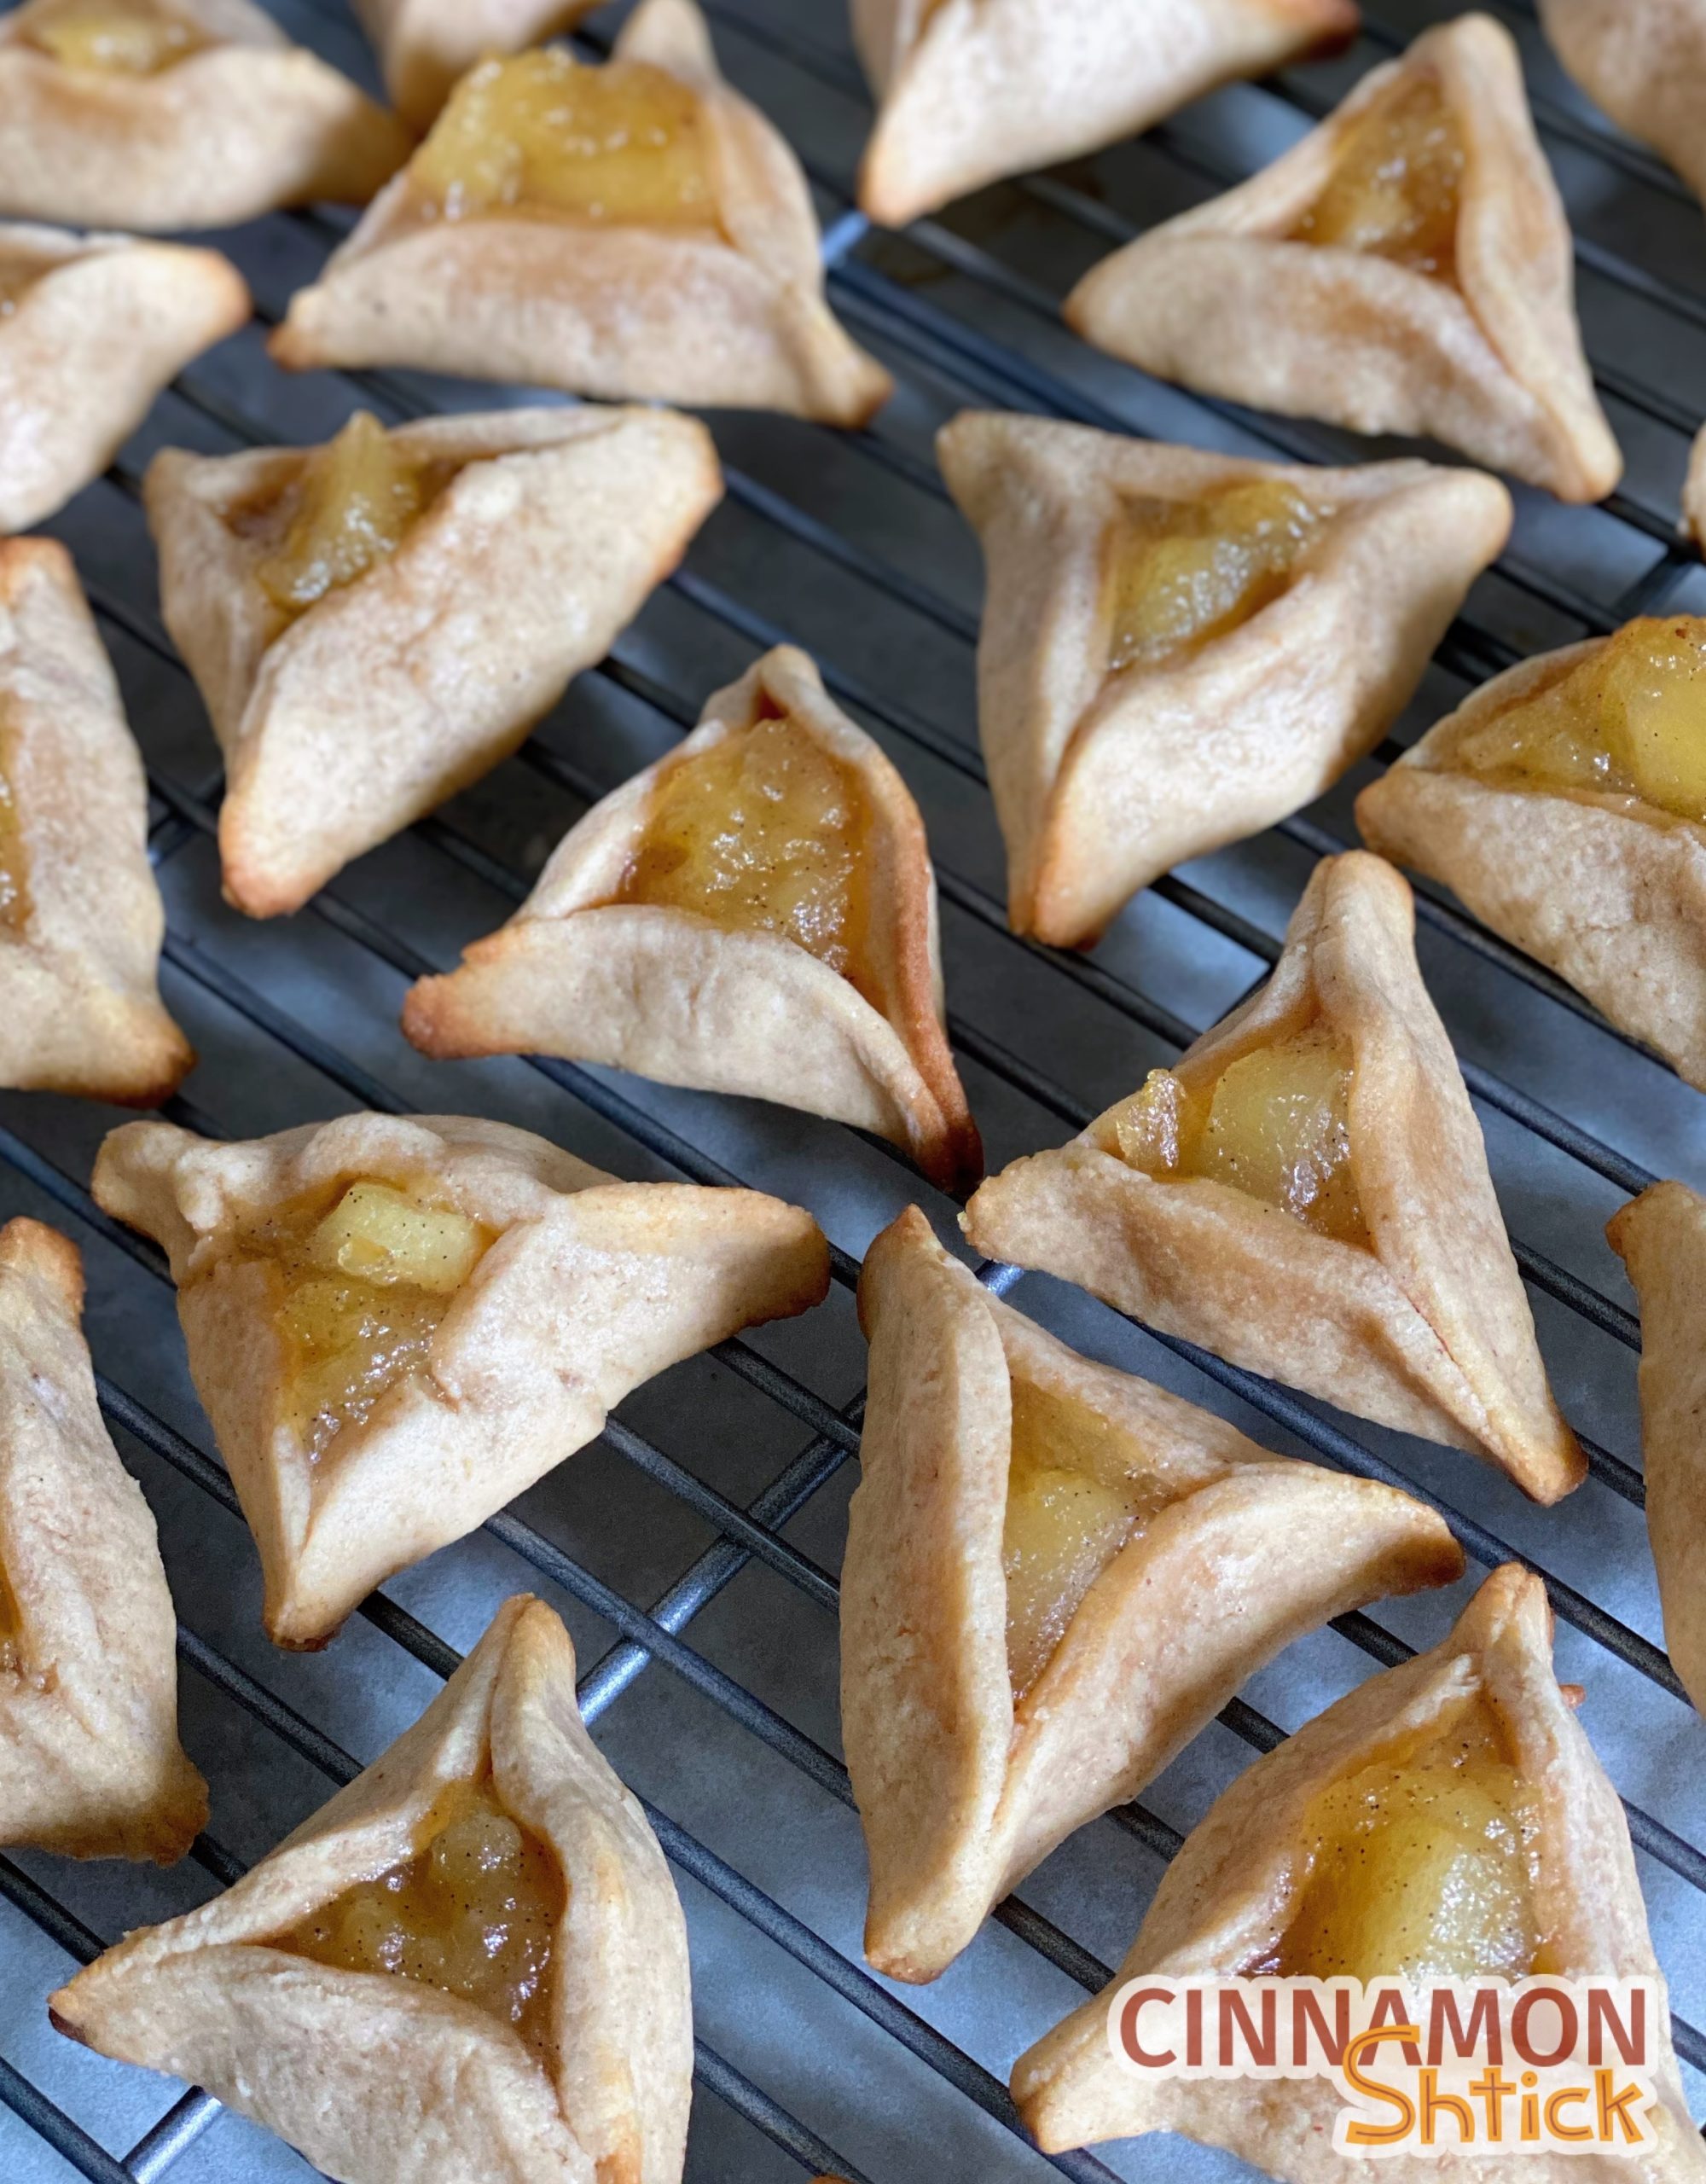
(365,1285)
(14,858)
(1630,721)
(348,508)
(1396,185)
(111,38)
(1273,1124)
(1420,1865)
(20,270)
(11,1626)
(764,831)
(1076,1496)
(474,1913)
(1180,572)
(542,135)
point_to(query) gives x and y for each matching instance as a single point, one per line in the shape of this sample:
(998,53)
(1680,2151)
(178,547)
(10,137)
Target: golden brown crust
(1643,62)
(1606,891)
(522,572)
(1491,362)
(1226,1900)
(1661,1237)
(80,1010)
(90,1766)
(1101,783)
(425,45)
(676,998)
(1429,1329)
(974,89)
(620,312)
(961,1793)
(387,2081)
(246,124)
(104,324)
(639,1275)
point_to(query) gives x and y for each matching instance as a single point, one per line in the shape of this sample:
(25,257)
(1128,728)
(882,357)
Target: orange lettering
(1556,2126)
(1435,2104)
(1615,2107)
(1356,2132)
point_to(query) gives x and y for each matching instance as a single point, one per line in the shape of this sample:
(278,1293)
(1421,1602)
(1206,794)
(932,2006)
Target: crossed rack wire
(951,353)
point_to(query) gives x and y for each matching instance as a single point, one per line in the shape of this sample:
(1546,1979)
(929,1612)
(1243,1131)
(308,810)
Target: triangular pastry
(1179,649)
(1055,1575)
(1564,803)
(974,89)
(427,45)
(1643,62)
(1446,1820)
(1661,1237)
(90,1765)
(166,114)
(81,922)
(1407,268)
(471,1963)
(754,913)
(1305,1192)
(376,622)
(396,1327)
(637,231)
(91,329)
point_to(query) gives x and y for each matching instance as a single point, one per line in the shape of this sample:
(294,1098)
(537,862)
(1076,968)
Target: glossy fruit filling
(1396,185)
(1629,720)
(14,858)
(1420,1865)
(1077,1494)
(543,134)
(474,1913)
(1273,1124)
(10,1626)
(111,38)
(763,832)
(20,270)
(365,1286)
(1178,574)
(348,508)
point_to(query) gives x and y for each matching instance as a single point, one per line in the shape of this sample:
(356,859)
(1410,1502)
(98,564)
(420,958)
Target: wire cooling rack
(717,1497)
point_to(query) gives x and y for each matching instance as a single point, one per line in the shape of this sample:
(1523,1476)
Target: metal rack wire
(965,309)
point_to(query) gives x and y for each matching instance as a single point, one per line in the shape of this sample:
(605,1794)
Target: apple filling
(1396,185)
(1420,1865)
(15,860)
(363,1288)
(11,1626)
(764,831)
(1178,574)
(20,270)
(111,38)
(543,136)
(474,1913)
(1629,720)
(348,508)
(1077,1495)
(1273,1124)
